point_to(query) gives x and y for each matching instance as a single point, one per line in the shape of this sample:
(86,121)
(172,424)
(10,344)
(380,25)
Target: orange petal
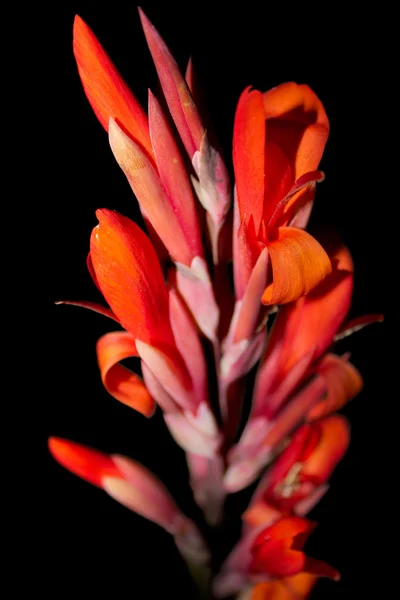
(297,587)
(343,383)
(297,122)
(130,278)
(119,381)
(83,461)
(159,208)
(106,91)
(176,91)
(249,155)
(335,439)
(299,263)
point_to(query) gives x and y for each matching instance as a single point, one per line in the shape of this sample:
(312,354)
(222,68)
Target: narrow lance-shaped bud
(132,485)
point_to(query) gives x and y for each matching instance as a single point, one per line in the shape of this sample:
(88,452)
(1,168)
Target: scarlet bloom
(169,290)
(298,477)
(277,551)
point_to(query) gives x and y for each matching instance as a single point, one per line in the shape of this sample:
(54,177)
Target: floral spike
(275,167)
(202,341)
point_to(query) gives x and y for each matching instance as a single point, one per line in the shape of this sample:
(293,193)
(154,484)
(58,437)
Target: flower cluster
(225,280)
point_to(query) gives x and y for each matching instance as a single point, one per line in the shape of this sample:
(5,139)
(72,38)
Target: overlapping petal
(130,277)
(299,264)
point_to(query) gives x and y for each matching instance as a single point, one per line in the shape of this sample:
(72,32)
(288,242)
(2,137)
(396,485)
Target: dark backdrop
(90,543)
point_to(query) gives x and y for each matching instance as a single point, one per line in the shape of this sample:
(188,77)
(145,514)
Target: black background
(88,542)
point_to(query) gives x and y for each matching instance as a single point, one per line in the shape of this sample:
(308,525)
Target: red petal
(106,91)
(83,461)
(121,383)
(299,264)
(249,155)
(130,278)
(176,91)
(173,176)
(356,324)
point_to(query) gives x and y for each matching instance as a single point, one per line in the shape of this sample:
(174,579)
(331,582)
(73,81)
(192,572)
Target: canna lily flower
(197,339)
(297,480)
(278,142)
(273,555)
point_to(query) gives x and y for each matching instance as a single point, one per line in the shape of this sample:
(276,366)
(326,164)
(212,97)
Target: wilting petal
(343,382)
(119,381)
(249,155)
(176,91)
(91,465)
(297,587)
(173,176)
(299,264)
(106,91)
(102,310)
(159,208)
(297,122)
(130,278)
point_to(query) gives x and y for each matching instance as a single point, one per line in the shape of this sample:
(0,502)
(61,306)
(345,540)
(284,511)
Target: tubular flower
(197,340)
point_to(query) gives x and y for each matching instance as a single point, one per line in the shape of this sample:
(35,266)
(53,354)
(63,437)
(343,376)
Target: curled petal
(299,264)
(91,465)
(161,210)
(130,277)
(176,91)
(343,382)
(119,381)
(297,122)
(249,154)
(106,91)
